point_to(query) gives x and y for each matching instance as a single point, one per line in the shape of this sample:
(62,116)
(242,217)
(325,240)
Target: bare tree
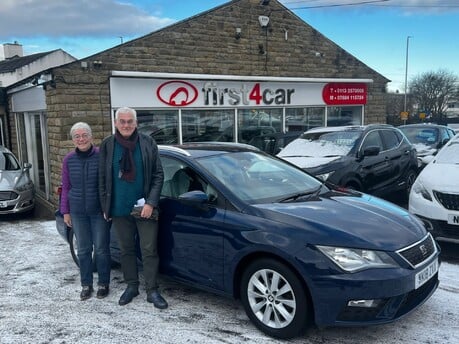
(433,91)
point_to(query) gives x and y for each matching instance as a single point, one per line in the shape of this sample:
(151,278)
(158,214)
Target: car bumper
(442,223)
(23,203)
(370,297)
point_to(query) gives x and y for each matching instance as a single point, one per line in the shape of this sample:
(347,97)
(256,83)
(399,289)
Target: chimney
(9,50)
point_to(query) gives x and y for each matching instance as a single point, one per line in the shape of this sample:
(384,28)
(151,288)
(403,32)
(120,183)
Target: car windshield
(322,144)
(425,136)
(449,154)
(257,178)
(8,162)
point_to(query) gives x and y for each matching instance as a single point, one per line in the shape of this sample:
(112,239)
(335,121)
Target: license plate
(3,204)
(453,219)
(426,274)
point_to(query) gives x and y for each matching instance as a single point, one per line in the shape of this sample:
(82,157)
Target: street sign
(404,115)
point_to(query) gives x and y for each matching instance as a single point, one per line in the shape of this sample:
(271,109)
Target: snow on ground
(39,303)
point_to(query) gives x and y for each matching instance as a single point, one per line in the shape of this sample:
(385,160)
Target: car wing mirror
(197,199)
(370,151)
(26,166)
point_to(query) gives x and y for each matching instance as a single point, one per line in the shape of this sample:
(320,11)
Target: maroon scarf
(127,164)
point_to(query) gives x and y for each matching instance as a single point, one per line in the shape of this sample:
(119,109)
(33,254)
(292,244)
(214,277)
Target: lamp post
(406,68)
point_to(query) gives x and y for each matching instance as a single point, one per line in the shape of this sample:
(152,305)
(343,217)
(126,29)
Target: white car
(434,197)
(17,192)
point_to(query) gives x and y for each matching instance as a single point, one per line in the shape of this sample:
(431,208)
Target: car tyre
(73,246)
(409,181)
(274,299)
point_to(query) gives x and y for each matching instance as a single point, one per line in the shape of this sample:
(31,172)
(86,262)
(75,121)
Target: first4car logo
(182,93)
(177,93)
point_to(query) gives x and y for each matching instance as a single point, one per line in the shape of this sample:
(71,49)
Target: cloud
(81,18)
(404,6)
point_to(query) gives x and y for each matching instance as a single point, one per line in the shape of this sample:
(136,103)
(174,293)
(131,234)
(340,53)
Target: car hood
(360,221)
(7,179)
(441,177)
(424,150)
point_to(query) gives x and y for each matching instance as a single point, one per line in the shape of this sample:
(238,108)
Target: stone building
(236,70)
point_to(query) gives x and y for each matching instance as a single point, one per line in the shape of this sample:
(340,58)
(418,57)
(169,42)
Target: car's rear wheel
(73,246)
(275,299)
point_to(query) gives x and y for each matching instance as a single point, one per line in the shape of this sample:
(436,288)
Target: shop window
(345,115)
(303,119)
(208,125)
(162,125)
(256,122)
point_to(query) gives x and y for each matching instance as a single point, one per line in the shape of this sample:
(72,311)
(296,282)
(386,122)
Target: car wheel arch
(254,256)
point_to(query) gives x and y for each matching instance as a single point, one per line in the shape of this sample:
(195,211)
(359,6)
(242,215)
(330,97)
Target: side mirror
(370,151)
(196,199)
(427,159)
(26,166)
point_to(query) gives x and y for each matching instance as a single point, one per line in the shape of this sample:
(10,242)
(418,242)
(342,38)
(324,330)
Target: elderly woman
(82,211)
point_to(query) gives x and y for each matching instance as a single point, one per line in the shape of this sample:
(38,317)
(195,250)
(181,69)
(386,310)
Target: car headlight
(325,176)
(352,259)
(419,188)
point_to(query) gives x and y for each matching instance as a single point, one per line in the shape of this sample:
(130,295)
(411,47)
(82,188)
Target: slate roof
(10,65)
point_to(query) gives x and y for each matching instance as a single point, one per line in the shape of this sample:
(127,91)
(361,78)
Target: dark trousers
(126,228)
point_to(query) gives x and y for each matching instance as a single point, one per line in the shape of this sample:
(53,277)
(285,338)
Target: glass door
(37,150)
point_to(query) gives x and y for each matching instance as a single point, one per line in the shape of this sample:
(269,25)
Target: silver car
(17,192)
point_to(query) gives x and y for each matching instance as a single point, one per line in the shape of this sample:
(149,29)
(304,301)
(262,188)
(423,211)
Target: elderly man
(130,173)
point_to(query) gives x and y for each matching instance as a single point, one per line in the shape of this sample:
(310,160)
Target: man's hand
(147,210)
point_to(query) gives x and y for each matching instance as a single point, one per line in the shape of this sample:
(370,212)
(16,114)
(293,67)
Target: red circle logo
(177,93)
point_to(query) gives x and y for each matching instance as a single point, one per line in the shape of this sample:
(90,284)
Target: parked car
(273,143)
(376,159)
(434,197)
(427,138)
(17,192)
(296,252)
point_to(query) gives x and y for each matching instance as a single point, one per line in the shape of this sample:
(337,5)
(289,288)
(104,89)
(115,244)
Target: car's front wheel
(275,299)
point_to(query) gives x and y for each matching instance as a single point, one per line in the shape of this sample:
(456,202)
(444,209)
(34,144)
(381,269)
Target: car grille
(8,195)
(449,201)
(418,253)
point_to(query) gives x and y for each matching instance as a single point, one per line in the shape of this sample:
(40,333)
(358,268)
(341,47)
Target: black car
(427,138)
(377,159)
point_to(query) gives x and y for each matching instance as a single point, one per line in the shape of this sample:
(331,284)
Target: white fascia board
(230,77)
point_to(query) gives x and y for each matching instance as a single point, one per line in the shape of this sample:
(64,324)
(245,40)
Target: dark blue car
(295,251)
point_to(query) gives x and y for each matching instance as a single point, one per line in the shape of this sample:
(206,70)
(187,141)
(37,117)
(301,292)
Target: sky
(396,38)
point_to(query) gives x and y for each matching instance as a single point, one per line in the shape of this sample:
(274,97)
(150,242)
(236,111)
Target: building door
(37,150)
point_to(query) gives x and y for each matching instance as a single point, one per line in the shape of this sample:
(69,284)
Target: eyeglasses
(83,136)
(124,122)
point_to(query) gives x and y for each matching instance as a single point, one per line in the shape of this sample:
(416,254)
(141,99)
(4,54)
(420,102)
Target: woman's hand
(68,220)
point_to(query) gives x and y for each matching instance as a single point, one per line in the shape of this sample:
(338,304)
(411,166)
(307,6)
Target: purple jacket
(80,192)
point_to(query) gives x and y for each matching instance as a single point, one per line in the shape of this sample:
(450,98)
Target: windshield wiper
(310,193)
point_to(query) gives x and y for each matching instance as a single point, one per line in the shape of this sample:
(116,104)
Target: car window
(372,139)
(391,140)
(180,178)
(8,162)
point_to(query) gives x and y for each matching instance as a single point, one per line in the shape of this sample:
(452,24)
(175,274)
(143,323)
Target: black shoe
(102,291)
(128,295)
(86,292)
(155,298)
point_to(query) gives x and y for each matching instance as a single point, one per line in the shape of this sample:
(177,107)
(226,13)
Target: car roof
(198,149)
(348,128)
(422,125)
